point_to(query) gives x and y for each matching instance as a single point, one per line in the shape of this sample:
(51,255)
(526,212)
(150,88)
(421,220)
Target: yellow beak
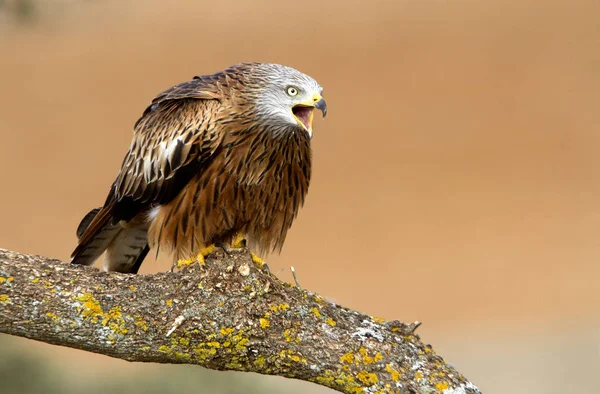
(304,111)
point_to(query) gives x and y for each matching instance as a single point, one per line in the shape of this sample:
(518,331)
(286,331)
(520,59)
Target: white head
(286,97)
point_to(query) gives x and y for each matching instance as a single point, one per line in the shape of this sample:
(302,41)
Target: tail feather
(128,246)
(95,235)
(85,222)
(125,248)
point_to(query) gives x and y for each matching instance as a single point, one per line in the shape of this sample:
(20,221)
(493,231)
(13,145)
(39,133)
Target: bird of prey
(215,158)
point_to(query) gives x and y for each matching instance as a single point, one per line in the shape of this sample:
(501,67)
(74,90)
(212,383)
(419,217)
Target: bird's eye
(292,91)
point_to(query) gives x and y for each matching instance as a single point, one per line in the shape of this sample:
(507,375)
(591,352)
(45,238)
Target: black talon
(223,247)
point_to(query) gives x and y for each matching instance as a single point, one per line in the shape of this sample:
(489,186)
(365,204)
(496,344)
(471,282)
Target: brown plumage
(211,158)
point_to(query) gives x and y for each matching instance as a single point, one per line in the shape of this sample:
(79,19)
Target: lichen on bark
(225,315)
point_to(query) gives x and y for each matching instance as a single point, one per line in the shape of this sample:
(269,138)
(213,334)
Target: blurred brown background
(456,179)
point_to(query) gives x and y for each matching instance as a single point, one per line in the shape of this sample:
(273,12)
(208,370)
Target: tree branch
(227,315)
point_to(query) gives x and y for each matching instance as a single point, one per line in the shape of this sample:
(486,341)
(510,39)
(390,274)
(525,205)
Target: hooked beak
(303,112)
(322,106)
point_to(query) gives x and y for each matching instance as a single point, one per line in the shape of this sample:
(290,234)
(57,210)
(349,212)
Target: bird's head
(286,97)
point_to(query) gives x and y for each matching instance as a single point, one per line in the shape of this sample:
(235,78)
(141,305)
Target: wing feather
(174,136)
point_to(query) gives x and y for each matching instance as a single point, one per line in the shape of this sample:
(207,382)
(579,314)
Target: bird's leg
(200,257)
(259,263)
(239,242)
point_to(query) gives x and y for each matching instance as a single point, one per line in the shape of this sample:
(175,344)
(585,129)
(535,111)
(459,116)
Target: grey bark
(225,315)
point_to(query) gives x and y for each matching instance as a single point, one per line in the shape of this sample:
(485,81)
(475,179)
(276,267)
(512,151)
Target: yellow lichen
(169,302)
(226,331)
(241,344)
(289,354)
(4,298)
(325,380)
(182,356)
(280,307)
(367,378)
(260,361)
(340,380)
(441,386)
(115,321)
(295,358)
(378,319)
(141,324)
(290,335)
(418,375)
(264,323)
(2,279)
(90,308)
(347,358)
(203,353)
(316,312)
(366,358)
(10,279)
(52,315)
(164,349)
(395,374)
(184,341)
(331,322)
(35,280)
(132,288)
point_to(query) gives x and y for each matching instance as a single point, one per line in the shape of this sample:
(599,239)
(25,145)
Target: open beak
(304,112)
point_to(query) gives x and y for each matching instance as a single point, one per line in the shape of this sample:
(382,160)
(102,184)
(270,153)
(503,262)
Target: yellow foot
(200,258)
(239,242)
(259,263)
